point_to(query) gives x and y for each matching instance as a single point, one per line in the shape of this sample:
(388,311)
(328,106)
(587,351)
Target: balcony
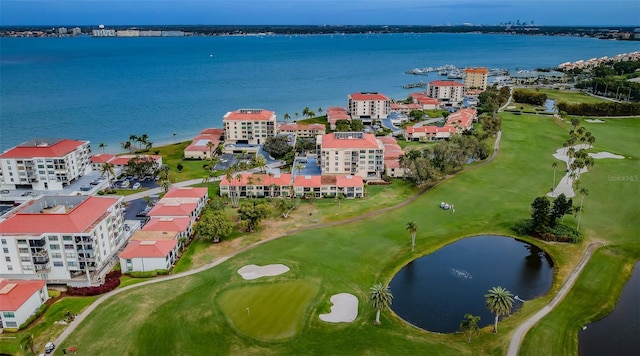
(42,268)
(37,243)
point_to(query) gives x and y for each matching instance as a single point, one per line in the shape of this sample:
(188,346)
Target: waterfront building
(150,33)
(476,78)
(76,31)
(62,30)
(44,164)
(429,133)
(205,144)
(405,109)
(180,225)
(462,119)
(448,92)
(334,114)
(392,154)
(531,77)
(350,186)
(257,185)
(149,255)
(19,300)
(352,153)
(425,101)
(103,32)
(301,130)
(368,106)
(61,239)
(127,33)
(249,126)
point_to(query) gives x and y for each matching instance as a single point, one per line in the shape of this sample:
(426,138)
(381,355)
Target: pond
(549,104)
(617,333)
(434,292)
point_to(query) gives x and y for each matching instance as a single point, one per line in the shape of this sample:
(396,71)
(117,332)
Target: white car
(136,186)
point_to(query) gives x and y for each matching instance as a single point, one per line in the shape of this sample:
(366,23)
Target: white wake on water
(460,273)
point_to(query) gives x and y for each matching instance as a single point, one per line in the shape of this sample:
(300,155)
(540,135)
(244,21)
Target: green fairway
(567,96)
(268,312)
(189,315)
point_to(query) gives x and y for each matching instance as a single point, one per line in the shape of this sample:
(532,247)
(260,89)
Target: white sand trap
(255,271)
(605,155)
(566,184)
(344,309)
(594,121)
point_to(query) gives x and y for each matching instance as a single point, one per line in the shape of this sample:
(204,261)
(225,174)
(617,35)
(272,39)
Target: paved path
(522,330)
(83,315)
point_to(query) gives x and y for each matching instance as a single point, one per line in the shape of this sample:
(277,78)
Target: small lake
(434,292)
(619,332)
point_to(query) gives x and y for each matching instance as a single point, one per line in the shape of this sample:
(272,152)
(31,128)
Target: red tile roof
(462,117)
(258,179)
(307,181)
(58,149)
(124,159)
(431,129)
(397,106)
(392,163)
(14,293)
(167,224)
(213,131)
(445,83)
(77,220)
(424,99)
(391,147)
(148,249)
(478,70)
(335,109)
(368,96)
(180,209)
(249,115)
(368,141)
(349,181)
(200,142)
(101,158)
(187,192)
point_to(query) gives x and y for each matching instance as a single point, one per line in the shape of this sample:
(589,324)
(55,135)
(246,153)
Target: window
(72,264)
(23,242)
(70,255)
(12,324)
(58,264)
(54,246)
(10,268)
(52,238)
(56,255)
(68,247)
(67,238)
(23,250)
(25,259)
(4,241)
(5,250)
(7,259)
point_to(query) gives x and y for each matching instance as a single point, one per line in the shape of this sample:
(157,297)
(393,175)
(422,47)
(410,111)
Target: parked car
(137,186)
(95,182)
(4,191)
(49,347)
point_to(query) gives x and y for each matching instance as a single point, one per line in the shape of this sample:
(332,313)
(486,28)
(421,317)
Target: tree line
(529,97)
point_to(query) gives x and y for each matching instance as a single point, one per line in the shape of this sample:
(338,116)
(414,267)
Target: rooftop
(250,115)
(144,235)
(477,70)
(187,192)
(167,224)
(368,96)
(349,140)
(14,293)
(445,83)
(148,249)
(43,147)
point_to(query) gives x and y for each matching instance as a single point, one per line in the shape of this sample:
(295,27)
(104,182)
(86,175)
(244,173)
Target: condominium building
(476,78)
(423,100)
(447,92)
(368,106)
(44,164)
(301,130)
(61,238)
(249,126)
(19,300)
(336,114)
(352,153)
(205,144)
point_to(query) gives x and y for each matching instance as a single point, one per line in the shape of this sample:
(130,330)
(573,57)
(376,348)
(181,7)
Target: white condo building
(352,153)
(447,92)
(249,126)
(44,164)
(61,238)
(368,106)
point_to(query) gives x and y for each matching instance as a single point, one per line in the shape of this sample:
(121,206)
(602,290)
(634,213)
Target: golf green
(268,312)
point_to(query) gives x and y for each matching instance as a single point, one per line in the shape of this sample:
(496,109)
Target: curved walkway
(83,315)
(521,331)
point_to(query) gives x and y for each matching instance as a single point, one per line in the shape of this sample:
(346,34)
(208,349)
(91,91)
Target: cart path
(83,315)
(521,331)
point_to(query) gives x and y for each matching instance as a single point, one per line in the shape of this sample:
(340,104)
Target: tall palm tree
(26,343)
(311,114)
(575,122)
(554,165)
(210,146)
(287,117)
(412,227)
(296,115)
(165,184)
(499,301)
(305,111)
(126,145)
(174,137)
(470,325)
(107,169)
(299,167)
(320,110)
(102,145)
(584,192)
(380,298)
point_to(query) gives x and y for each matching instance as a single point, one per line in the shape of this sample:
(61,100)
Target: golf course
(217,312)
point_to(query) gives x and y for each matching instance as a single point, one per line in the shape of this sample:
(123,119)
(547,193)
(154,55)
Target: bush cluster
(149,274)
(33,317)
(111,282)
(600,109)
(529,97)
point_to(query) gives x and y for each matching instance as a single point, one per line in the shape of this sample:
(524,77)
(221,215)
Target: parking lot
(130,182)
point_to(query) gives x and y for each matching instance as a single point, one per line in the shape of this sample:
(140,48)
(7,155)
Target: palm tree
(305,111)
(210,146)
(412,227)
(499,301)
(380,298)
(26,343)
(584,192)
(311,114)
(174,137)
(320,110)
(102,145)
(165,185)
(554,165)
(107,168)
(296,115)
(126,145)
(287,117)
(470,325)
(299,167)
(575,122)
(339,198)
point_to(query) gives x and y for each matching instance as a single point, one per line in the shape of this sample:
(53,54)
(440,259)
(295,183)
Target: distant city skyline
(319,12)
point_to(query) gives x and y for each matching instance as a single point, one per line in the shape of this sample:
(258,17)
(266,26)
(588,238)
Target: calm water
(434,292)
(619,332)
(104,89)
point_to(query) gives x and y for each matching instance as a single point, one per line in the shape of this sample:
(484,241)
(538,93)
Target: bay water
(105,89)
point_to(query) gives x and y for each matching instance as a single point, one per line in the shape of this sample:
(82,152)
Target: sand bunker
(255,271)
(605,155)
(565,186)
(594,121)
(344,309)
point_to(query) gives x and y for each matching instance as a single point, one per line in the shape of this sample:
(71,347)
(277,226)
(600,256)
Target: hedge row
(149,274)
(111,282)
(35,316)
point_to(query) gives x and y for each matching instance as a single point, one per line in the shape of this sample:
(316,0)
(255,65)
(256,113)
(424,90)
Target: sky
(318,12)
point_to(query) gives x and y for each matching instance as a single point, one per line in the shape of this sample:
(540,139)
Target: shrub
(53,293)
(145,274)
(111,282)
(33,317)
(10,330)
(162,272)
(100,192)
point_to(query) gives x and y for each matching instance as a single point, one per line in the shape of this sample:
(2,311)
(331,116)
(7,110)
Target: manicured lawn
(182,317)
(567,96)
(45,329)
(172,156)
(268,312)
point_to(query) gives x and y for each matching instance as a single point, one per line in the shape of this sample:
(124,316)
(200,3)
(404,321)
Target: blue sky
(318,12)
